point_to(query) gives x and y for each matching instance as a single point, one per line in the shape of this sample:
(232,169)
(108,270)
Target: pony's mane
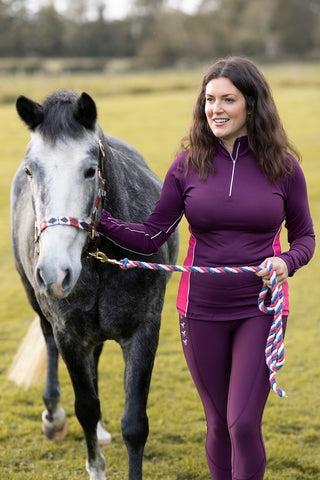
(58,117)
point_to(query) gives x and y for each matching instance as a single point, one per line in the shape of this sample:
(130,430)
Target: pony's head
(61,164)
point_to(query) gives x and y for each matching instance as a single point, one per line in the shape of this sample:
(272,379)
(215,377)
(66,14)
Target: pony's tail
(30,362)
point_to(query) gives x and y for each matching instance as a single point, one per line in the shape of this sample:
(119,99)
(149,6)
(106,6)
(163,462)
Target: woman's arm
(146,238)
(300,230)
(298,222)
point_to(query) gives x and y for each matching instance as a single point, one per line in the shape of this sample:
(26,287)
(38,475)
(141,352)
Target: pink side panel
(276,251)
(184,285)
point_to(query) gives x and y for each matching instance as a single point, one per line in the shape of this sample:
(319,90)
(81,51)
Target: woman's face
(226,110)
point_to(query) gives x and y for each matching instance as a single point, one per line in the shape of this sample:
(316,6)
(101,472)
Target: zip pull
(233,168)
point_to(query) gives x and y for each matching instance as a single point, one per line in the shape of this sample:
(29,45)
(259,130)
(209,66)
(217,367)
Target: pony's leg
(54,423)
(139,353)
(81,367)
(104,437)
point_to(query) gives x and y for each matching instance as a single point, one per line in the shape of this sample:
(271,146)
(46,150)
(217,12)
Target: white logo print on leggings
(183,330)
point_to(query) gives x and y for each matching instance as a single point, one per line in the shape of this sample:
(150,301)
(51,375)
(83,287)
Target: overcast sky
(119,8)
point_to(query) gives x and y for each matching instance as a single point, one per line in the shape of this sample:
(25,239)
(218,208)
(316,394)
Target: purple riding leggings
(227,362)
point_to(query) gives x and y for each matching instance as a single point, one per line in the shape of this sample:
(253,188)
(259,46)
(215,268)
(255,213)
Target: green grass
(153,122)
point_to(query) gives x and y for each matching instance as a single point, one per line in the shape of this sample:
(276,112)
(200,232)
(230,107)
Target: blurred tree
(315,7)
(223,20)
(254,35)
(265,28)
(14,27)
(149,7)
(77,10)
(144,14)
(295,26)
(160,35)
(4,28)
(169,41)
(208,6)
(99,39)
(17,6)
(46,38)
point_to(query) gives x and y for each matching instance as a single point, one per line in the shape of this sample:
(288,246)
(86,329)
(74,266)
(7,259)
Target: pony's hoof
(104,437)
(57,428)
(96,469)
(60,434)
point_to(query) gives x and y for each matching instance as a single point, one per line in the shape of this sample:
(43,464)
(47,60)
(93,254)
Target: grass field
(152,112)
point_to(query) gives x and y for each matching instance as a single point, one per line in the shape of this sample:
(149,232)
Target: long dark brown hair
(267,137)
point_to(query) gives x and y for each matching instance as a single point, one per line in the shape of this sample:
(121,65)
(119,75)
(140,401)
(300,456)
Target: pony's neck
(112,173)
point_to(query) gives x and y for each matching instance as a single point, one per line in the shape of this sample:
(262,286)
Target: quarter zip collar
(240,147)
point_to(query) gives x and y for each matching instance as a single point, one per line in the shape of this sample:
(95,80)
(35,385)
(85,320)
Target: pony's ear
(85,111)
(29,111)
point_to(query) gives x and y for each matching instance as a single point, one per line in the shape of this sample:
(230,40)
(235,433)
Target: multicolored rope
(274,351)
(125,264)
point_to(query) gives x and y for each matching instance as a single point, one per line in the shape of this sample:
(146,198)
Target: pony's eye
(90,172)
(28,171)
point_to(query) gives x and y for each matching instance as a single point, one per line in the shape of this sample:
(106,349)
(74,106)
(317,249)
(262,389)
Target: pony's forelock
(58,117)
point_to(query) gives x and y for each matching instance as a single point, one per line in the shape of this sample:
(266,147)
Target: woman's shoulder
(294,165)
(295,175)
(181,158)
(178,166)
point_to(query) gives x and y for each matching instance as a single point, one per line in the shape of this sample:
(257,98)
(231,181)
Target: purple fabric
(235,217)
(233,387)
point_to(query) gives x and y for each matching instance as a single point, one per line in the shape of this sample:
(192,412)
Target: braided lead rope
(274,351)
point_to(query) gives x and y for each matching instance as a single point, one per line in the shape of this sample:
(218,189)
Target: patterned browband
(68,221)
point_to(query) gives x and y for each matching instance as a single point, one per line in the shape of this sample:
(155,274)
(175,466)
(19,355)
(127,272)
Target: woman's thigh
(207,349)
(249,379)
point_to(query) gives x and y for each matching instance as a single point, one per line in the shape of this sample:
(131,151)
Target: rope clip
(102,257)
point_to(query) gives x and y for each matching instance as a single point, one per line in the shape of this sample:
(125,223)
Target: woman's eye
(28,171)
(90,172)
(229,100)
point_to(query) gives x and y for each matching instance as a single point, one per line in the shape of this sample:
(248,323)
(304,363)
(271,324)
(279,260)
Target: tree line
(161,36)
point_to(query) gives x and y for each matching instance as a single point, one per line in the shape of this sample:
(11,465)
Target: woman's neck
(228,144)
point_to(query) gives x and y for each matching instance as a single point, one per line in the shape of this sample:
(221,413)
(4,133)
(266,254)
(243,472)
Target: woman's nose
(216,107)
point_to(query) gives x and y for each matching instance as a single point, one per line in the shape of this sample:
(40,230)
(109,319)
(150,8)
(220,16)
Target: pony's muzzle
(54,283)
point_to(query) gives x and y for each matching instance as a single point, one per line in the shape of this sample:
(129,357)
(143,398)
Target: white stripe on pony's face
(63,183)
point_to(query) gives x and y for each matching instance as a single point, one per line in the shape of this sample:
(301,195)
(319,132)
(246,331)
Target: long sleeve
(298,222)
(146,238)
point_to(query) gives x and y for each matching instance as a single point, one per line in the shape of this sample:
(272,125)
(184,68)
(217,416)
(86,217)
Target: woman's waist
(241,283)
(236,250)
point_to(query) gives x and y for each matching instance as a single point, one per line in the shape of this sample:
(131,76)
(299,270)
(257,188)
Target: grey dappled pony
(81,302)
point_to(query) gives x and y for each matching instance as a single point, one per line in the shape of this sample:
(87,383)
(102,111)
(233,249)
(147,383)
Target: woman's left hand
(280,268)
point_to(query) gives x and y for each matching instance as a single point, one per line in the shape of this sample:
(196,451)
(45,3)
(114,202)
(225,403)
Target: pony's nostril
(67,279)
(40,279)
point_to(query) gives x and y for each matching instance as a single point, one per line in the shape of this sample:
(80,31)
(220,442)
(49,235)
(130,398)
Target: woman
(236,180)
